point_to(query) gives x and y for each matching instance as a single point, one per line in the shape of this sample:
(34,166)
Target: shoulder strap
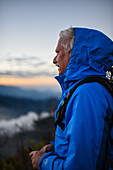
(61,112)
(103,81)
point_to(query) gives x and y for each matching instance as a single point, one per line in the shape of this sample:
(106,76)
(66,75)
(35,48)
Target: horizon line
(34,81)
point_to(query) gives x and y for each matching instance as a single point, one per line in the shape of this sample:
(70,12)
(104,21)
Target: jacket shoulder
(92,87)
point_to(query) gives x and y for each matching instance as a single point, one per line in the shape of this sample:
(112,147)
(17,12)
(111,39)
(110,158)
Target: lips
(57,65)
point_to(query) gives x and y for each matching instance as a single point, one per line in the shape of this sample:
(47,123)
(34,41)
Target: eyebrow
(57,50)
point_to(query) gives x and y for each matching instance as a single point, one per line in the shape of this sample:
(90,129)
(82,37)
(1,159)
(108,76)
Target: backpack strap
(61,112)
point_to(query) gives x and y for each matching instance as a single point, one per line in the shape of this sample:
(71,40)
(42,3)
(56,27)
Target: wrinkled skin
(62,57)
(37,155)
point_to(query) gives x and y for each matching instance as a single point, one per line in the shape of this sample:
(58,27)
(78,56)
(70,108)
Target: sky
(29,31)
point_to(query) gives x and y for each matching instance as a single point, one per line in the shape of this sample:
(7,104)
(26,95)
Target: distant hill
(15,101)
(14,106)
(29,94)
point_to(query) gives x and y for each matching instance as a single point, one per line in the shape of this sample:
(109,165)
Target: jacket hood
(92,54)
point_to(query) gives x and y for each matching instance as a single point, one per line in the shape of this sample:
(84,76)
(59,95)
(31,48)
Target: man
(80,145)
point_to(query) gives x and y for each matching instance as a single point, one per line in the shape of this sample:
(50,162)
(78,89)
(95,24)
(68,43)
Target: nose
(54,60)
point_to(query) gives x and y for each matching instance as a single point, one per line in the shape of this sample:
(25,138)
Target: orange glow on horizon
(28,81)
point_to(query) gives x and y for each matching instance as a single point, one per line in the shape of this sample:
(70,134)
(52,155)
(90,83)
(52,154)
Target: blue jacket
(78,146)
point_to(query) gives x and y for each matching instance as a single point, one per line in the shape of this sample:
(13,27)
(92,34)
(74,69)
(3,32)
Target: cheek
(65,62)
(63,66)
(61,55)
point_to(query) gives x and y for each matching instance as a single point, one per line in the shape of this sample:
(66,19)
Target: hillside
(40,94)
(14,107)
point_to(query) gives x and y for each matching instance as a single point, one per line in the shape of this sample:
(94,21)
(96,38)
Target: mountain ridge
(15,91)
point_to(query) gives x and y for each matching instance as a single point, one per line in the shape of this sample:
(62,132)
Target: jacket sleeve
(85,115)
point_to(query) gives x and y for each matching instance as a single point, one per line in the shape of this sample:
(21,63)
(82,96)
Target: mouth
(57,65)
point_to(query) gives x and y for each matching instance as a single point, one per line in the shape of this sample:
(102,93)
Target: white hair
(68,36)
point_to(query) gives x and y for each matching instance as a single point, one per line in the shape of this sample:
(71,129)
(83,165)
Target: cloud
(27,74)
(23,60)
(26,66)
(24,122)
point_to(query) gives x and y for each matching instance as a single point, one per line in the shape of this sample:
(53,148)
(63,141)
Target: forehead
(59,46)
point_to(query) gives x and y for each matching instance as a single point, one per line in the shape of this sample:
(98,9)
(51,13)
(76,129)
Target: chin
(60,74)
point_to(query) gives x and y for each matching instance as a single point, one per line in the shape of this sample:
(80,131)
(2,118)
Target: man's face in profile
(62,58)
